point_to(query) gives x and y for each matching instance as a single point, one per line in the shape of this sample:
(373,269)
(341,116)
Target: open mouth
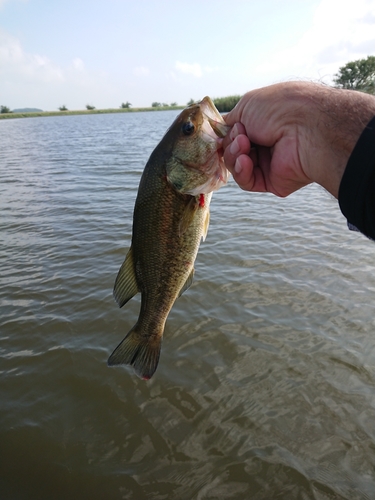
(220,128)
(216,127)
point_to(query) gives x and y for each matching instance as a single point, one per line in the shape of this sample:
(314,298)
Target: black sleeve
(357,187)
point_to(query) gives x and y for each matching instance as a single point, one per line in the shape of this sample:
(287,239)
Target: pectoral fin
(205,225)
(126,284)
(188,215)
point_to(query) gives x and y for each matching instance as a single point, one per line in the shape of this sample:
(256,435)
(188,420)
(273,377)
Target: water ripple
(265,387)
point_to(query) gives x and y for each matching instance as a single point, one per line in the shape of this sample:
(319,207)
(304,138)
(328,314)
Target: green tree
(125,105)
(191,102)
(89,107)
(63,108)
(156,104)
(357,75)
(4,109)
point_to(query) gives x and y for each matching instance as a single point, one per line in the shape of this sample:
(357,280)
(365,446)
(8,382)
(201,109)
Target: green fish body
(171,217)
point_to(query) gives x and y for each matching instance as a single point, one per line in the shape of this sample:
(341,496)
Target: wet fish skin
(171,216)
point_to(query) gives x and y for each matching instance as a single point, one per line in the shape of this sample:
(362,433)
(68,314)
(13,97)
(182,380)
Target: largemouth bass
(171,217)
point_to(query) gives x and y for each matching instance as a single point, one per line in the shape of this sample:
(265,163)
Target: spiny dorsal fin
(125,285)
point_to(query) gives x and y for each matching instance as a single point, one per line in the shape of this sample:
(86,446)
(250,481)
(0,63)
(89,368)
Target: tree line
(355,75)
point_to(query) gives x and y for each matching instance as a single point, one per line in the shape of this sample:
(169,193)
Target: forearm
(341,117)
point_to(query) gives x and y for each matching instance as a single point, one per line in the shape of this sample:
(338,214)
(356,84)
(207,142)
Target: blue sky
(78,52)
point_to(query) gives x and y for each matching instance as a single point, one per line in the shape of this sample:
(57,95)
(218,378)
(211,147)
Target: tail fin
(138,351)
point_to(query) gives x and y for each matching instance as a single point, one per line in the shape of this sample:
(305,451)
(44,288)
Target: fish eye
(188,128)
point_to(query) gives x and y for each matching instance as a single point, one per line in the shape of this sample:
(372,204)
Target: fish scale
(171,216)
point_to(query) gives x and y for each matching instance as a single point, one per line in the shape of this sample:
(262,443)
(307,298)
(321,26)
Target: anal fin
(188,283)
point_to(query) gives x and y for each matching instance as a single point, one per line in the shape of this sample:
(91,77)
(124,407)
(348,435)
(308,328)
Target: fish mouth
(220,129)
(212,130)
(215,126)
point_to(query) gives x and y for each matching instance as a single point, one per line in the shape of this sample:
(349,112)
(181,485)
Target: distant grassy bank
(86,112)
(223,104)
(226,104)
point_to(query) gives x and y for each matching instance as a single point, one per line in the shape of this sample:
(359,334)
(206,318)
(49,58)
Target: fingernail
(237,167)
(234,148)
(234,132)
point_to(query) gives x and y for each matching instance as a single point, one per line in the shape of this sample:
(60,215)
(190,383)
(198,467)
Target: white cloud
(78,64)
(10,49)
(341,29)
(33,80)
(339,33)
(141,71)
(190,69)
(14,61)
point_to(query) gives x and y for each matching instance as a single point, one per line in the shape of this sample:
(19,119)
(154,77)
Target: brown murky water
(266,384)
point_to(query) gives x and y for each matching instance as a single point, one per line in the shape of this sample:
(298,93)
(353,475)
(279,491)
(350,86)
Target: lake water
(266,383)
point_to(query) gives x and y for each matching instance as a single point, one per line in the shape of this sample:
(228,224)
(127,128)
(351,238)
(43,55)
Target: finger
(237,129)
(264,158)
(248,176)
(235,115)
(239,146)
(243,172)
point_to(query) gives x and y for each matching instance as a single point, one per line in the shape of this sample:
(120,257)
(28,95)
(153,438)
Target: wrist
(342,115)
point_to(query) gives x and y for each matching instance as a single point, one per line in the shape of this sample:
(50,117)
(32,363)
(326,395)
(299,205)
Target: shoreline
(4,116)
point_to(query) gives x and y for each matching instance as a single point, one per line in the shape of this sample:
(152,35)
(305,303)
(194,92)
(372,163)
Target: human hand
(288,135)
(275,169)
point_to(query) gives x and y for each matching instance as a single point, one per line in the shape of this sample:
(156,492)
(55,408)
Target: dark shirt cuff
(357,187)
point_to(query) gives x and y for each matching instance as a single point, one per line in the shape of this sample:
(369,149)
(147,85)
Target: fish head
(195,165)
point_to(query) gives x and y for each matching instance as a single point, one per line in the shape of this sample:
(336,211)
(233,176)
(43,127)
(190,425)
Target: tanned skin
(291,134)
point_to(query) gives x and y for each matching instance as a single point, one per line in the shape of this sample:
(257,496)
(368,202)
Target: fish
(170,218)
